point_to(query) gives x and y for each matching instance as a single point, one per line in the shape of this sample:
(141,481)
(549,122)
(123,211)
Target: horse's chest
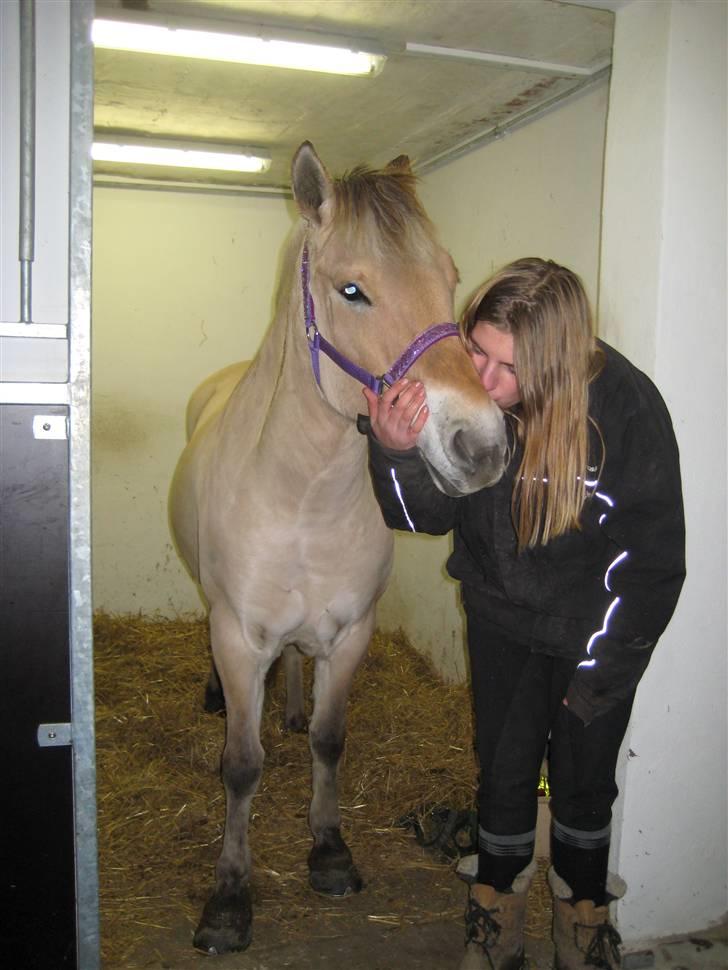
(305,578)
(338,571)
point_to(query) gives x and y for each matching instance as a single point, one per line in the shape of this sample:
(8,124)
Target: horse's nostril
(463,450)
(470,452)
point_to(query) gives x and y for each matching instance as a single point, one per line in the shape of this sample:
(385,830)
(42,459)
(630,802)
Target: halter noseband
(317,343)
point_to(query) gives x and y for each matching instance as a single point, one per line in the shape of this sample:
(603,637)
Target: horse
(271,504)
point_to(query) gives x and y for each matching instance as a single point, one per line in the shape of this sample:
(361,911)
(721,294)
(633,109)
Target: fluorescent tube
(177,155)
(217,46)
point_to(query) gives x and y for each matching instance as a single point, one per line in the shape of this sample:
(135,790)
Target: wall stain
(116,427)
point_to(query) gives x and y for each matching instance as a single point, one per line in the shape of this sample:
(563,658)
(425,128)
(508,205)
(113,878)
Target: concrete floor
(430,938)
(439,947)
(435,945)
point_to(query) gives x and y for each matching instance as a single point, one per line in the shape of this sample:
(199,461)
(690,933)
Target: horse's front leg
(226,922)
(331,866)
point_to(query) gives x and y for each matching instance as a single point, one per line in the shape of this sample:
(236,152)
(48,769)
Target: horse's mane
(381,208)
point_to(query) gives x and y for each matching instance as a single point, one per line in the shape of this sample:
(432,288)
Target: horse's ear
(312,187)
(400,164)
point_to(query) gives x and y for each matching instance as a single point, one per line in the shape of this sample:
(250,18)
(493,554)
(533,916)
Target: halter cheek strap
(318,344)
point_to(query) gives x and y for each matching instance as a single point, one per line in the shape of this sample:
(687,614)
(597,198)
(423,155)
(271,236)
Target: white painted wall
(182,285)
(535,192)
(663,302)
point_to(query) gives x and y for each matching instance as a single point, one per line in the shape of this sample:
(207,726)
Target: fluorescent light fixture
(151,38)
(176,154)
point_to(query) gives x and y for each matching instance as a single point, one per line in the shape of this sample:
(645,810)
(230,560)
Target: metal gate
(48,849)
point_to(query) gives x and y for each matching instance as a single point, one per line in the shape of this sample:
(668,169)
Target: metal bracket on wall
(54,735)
(50,426)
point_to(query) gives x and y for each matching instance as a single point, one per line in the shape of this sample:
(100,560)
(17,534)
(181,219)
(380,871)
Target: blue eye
(352,294)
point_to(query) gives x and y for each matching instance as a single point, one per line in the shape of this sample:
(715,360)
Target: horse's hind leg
(214,702)
(226,922)
(295,716)
(331,867)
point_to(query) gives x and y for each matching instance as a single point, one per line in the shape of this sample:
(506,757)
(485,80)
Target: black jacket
(602,594)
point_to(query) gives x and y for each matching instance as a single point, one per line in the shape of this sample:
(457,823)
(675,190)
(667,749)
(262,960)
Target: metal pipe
(26,252)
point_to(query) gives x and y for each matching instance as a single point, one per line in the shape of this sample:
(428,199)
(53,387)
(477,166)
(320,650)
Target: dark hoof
(332,870)
(336,882)
(214,702)
(297,723)
(226,924)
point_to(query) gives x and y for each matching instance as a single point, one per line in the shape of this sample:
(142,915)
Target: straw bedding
(161,801)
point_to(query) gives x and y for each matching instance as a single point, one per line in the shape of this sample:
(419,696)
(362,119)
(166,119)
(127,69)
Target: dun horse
(271,504)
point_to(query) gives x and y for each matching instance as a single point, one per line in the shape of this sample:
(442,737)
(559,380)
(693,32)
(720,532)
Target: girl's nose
(488,378)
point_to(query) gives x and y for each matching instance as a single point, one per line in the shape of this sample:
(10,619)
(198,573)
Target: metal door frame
(79,384)
(76,394)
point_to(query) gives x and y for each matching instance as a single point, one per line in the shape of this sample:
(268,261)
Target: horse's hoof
(296,723)
(331,867)
(336,882)
(226,925)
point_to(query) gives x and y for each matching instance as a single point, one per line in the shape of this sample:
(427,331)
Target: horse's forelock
(381,209)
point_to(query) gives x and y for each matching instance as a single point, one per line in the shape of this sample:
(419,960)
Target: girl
(570,569)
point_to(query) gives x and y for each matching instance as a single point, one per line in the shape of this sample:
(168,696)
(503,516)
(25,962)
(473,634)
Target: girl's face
(491,352)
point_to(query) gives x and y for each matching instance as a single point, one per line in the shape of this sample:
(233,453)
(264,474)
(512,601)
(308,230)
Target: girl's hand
(398,415)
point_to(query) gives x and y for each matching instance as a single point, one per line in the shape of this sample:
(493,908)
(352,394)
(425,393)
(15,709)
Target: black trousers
(520,717)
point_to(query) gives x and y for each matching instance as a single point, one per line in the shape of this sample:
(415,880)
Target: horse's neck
(293,430)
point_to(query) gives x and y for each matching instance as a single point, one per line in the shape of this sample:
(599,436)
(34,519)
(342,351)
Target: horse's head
(377,279)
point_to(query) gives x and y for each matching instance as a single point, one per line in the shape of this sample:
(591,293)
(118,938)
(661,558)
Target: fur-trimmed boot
(494,925)
(583,936)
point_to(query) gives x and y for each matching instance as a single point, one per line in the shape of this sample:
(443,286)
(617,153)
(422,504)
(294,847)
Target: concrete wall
(663,302)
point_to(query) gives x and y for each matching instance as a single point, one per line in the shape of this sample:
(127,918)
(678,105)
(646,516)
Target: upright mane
(379,208)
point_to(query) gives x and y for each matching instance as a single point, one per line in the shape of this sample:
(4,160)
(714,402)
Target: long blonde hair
(545,308)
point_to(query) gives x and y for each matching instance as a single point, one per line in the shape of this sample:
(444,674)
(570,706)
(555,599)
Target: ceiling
(430,107)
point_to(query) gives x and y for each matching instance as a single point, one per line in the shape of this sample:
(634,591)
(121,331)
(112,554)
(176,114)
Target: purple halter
(400,367)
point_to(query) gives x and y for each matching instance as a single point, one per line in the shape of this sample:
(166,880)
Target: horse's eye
(353,294)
